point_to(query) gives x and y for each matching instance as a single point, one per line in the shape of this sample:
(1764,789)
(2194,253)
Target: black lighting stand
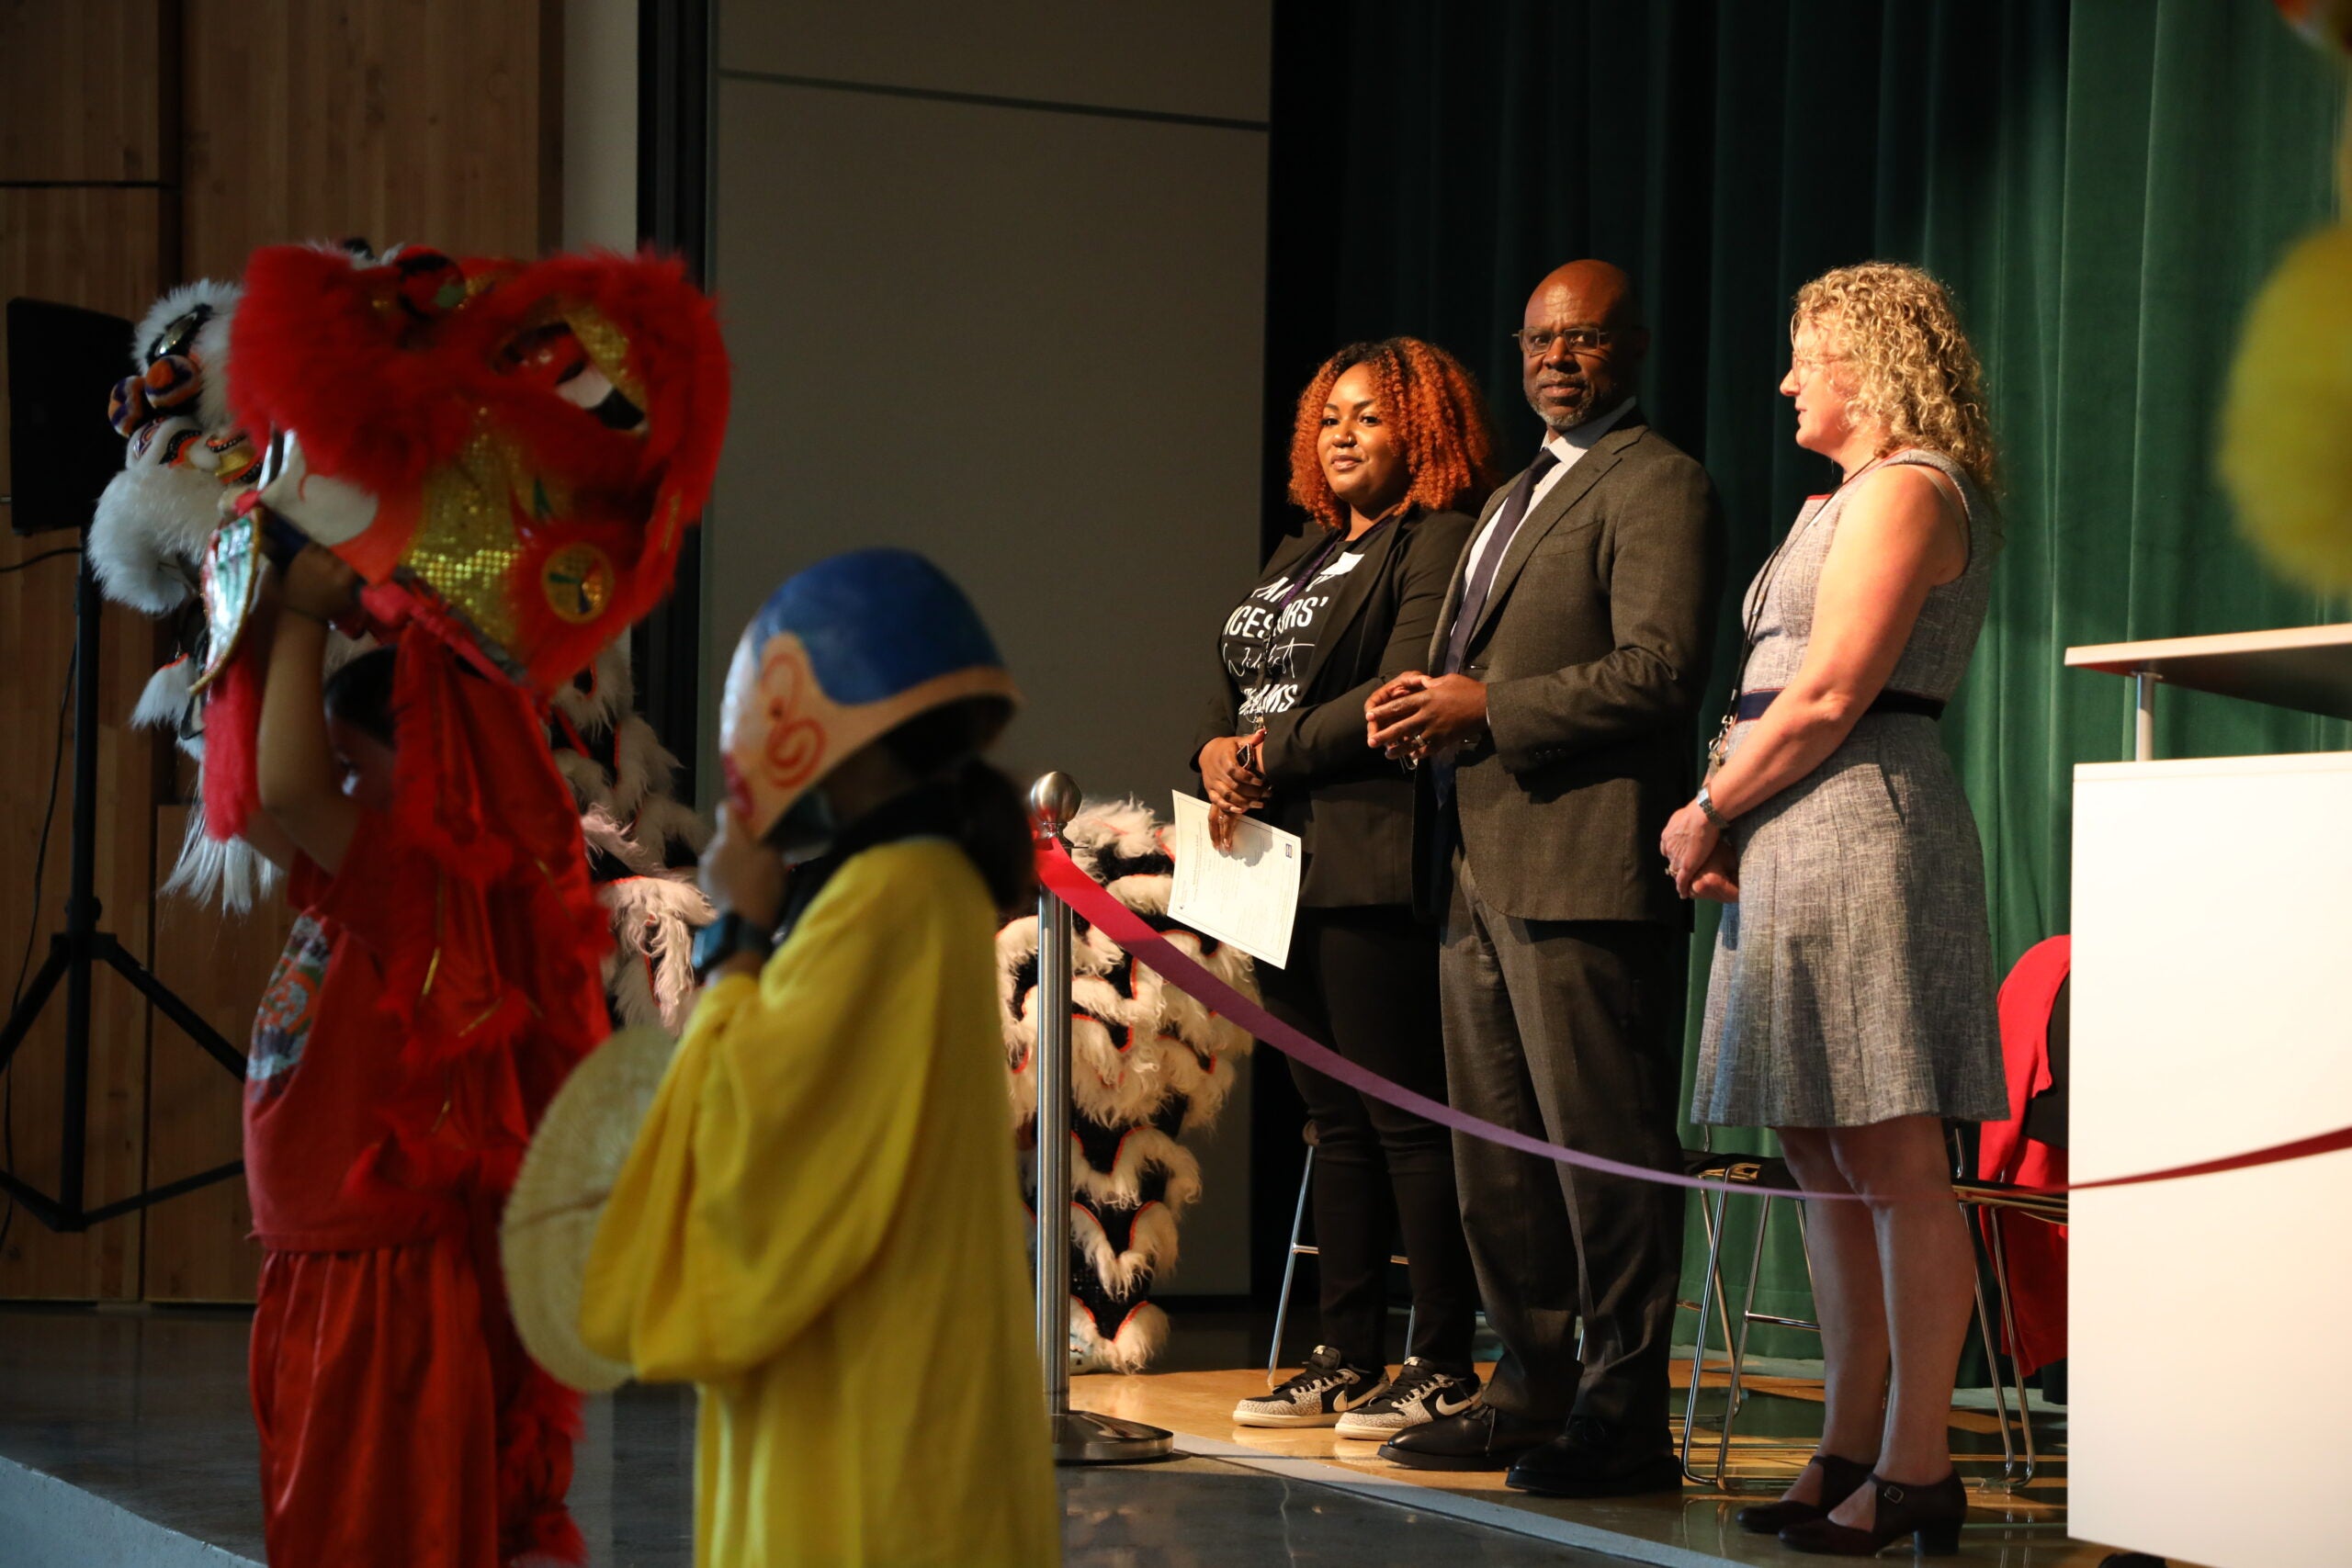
(75,952)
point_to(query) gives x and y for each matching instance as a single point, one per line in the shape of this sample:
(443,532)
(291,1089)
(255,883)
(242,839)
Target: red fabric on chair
(2035,1251)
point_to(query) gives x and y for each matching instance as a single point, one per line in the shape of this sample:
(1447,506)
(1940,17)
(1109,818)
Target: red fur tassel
(231,739)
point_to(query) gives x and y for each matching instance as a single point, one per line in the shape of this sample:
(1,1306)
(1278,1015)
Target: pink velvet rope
(1102,909)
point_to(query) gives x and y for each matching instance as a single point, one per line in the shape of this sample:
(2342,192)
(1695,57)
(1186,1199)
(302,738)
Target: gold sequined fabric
(466,545)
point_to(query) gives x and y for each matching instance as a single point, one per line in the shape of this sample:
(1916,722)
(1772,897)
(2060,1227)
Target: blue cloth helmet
(841,653)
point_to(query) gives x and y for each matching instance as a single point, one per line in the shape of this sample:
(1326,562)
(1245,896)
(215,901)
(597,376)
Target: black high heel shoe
(1929,1515)
(1840,1478)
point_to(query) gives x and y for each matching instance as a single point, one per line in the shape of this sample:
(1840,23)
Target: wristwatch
(724,937)
(1707,809)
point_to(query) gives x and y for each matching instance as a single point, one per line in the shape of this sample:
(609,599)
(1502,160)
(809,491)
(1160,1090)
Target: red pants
(400,1422)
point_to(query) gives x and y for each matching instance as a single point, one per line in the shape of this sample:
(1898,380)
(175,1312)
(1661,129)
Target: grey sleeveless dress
(1853,980)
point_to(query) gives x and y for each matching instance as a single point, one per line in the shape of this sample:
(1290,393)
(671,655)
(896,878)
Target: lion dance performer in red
(487,467)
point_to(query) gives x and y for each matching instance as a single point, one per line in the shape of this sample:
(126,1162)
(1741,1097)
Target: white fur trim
(653,915)
(149,532)
(1188,1020)
(640,764)
(164,702)
(591,789)
(1114,1089)
(1124,825)
(232,874)
(629,981)
(602,832)
(1141,1150)
(664,820)
(615,694)
(1150,1252)
(1141,1335)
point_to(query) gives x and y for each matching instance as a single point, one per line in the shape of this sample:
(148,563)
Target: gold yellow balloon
(2286,453)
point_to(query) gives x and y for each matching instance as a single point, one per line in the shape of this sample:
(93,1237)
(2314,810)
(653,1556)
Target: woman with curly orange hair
(1392,442)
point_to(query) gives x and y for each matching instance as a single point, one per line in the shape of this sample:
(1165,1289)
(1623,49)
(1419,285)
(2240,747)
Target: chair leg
(1992,1360)
(1739,1346)
(1711,1289)
(1998,1247)
(1290,1267)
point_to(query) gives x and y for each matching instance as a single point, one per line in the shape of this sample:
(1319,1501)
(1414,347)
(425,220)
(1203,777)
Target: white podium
(2212,927)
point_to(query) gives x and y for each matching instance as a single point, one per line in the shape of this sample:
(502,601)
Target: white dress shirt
(1567,445)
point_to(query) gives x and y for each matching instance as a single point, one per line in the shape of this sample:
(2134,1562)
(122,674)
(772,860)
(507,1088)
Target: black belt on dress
(1751,704)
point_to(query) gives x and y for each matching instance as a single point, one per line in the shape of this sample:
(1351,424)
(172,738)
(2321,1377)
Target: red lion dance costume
(508,455)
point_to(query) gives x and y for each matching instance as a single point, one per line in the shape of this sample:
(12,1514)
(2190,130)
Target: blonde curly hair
(1907,362)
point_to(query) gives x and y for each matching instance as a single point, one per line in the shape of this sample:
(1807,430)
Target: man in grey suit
(1557,737)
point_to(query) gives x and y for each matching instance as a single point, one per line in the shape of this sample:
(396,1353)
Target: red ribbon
(1102,909)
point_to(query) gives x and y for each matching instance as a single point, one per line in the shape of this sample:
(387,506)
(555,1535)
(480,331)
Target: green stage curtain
(2103,184)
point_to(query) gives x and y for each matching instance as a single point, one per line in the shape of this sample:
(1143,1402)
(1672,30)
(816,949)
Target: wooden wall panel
(96,248)
(198,1245)
(78,99)
(428,121)
(436,122)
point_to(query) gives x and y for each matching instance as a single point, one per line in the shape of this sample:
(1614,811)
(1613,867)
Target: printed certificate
(1246,895)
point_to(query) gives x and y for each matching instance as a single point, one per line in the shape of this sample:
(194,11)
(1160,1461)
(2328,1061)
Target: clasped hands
(1699,858)
(1416,716)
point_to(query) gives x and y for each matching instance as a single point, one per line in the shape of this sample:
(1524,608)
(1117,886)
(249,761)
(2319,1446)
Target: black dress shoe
(1481,1438)
(1840,1478)
(1929,1515)
(1594,1458)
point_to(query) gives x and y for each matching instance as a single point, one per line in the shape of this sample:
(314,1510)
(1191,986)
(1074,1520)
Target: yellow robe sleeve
(770,1167)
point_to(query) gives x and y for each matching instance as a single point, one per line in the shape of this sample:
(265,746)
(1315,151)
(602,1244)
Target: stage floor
(146,1413)
(1772,1436)
(144,1419)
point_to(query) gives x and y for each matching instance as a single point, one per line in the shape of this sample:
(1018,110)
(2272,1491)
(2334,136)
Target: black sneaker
(1421,1394)
(1325,1388)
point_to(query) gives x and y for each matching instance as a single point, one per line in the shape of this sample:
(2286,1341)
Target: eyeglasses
(1536,342)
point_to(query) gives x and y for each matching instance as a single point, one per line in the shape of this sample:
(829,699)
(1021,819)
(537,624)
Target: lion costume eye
(553,358)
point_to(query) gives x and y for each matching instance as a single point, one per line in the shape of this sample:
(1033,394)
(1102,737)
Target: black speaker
(62,362)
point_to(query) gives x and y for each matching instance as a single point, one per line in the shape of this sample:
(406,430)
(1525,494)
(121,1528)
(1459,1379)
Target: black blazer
(1594,646)
(1352,806)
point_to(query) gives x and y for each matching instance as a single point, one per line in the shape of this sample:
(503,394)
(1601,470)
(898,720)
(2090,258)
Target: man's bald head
(1588,321)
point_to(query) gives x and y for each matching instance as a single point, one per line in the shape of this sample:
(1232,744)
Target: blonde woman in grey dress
(1851,1006)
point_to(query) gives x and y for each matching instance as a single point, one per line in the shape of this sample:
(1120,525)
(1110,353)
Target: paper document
(1246,895)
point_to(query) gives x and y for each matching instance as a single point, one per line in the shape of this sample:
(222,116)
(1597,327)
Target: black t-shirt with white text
(1270,639)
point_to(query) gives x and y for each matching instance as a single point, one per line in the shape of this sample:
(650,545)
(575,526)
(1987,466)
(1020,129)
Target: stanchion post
(1079,1436)
(1053,802)
(2143,716)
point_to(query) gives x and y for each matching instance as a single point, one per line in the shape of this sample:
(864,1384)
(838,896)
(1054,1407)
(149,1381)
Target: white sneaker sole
(1255,1418)
(1375,1431)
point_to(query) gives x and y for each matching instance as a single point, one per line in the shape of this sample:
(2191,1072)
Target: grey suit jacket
(1594,645)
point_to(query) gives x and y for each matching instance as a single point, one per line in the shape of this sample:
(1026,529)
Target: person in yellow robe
(819,1222)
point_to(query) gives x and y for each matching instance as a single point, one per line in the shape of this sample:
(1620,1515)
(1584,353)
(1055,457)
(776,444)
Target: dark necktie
(1482,575)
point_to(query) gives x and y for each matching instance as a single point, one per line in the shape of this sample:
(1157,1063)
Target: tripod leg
(34,1202)
(192,1023)
(20,1022)
(168,1189)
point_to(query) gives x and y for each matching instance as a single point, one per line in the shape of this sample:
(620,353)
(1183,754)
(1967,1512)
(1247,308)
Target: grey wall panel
(1025,340)
(1026,343)
(1198,56)
(600,124)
